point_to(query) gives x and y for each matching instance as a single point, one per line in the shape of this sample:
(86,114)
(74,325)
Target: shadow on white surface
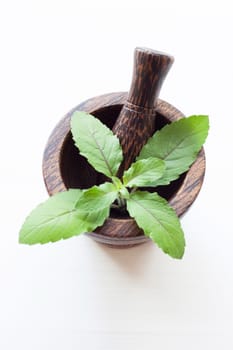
(131,261)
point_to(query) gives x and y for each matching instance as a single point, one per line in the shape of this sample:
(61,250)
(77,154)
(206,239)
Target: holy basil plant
(167,154)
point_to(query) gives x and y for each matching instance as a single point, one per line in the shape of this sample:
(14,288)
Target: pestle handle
(136,121)
(149,71)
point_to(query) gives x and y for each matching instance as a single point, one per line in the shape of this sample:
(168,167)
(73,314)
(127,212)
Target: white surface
(77,294)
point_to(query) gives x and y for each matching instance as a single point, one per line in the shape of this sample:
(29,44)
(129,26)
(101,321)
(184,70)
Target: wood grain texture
(149,71)
(136,122)
(62,171)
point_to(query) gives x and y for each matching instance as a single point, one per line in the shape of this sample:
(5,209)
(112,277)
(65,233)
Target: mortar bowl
(64,168)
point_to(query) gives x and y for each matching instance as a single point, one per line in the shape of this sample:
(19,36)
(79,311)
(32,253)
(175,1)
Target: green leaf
(177,144)
(97,143)
(117,183)
(97,197)
(158,221)
(144,172)
(52,220)
(57,218)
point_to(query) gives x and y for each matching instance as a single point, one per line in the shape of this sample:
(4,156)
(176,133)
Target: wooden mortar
(134,117)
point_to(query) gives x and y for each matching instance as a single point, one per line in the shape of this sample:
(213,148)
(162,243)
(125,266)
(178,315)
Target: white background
(77,294)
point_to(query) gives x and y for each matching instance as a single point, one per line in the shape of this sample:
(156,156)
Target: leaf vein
(148,211)
(102,153)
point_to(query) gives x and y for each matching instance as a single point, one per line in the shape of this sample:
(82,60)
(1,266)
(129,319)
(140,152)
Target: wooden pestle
(136,121)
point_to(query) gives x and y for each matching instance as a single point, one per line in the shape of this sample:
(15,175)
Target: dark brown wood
(64,168)
(149,71)
(136,121)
